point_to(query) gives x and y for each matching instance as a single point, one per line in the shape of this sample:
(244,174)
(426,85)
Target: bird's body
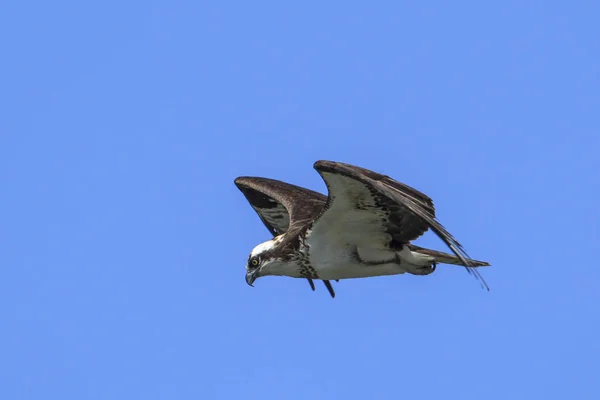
(362,229)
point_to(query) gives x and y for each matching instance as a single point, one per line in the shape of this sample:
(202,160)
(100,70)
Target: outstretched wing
(368,206)
(280,205)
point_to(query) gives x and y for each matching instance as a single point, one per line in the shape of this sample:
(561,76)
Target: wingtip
(246,181)
(238,181)
(334,166)
(320,163)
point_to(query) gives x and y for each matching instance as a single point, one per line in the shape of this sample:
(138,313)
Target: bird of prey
(363,228)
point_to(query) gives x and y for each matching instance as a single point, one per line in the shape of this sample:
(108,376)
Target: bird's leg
(330,288)
(424,270)
(327,285)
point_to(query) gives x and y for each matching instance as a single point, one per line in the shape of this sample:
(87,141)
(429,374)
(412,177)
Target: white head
(263,260)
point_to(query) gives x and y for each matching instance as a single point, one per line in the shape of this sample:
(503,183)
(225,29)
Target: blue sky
(123,239)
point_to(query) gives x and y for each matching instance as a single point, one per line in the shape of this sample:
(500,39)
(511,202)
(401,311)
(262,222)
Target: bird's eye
(254,262)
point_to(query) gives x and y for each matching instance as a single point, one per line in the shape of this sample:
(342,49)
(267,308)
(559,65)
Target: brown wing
(411,213)
(280,205)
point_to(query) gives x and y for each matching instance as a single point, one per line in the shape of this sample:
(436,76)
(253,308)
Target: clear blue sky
(123,239)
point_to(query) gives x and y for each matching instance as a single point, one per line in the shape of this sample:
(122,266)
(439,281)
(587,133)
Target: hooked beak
(251,276)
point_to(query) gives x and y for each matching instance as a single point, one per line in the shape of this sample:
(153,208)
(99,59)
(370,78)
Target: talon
(434,267)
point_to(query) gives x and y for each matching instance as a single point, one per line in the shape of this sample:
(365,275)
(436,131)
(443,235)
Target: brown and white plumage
(362,228)
(277,203)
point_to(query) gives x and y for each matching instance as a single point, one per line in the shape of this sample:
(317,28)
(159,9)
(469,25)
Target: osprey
(363,228)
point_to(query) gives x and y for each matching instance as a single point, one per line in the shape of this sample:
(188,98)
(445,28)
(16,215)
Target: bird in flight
(363,228)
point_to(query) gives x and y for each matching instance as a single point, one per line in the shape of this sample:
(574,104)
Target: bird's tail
(445,258)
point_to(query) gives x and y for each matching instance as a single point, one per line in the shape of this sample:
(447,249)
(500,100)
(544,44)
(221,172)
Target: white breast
(354,224)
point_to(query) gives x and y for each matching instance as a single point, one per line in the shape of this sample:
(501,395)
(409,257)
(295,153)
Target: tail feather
(445,258)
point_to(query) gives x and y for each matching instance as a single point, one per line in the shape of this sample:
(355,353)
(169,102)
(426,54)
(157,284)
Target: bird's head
(263,260)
